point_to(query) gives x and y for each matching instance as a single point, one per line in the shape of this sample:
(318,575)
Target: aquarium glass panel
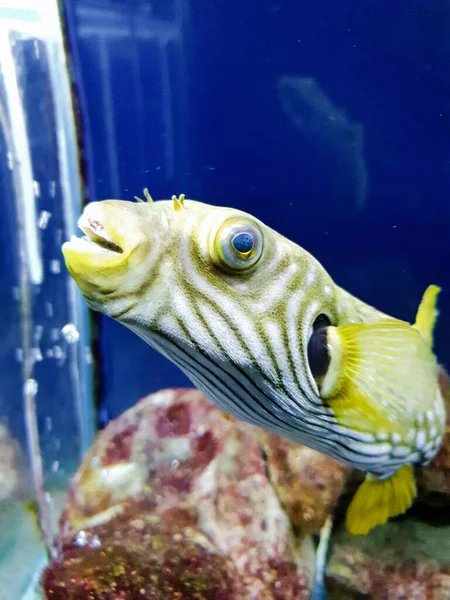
(46,410)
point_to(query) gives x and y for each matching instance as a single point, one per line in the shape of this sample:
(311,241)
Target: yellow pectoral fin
(379,374)
(377,501)
(427,313)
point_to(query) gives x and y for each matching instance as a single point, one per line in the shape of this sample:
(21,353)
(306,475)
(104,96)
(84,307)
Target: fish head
(137,259)
(209,277)
(113,258)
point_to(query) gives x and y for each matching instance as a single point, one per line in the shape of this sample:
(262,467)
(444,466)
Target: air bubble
(81,539)
(70,333)
(55,266)
(30,387)
(36,355)
(44,218)
(174,463)
(59,353)
(87,355)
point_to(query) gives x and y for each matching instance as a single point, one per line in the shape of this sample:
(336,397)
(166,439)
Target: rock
(308,483)
(176,500)
(434,481)
(134,556)
(173,501)
(10,465)
(403,560)
(408,558)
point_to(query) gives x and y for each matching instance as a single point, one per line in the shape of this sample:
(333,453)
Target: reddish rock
(403,560)
(173,501)
(308,484)
(135,556)
(176,500)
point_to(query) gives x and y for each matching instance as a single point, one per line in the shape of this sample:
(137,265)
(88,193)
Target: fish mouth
(96,236)
(103,244)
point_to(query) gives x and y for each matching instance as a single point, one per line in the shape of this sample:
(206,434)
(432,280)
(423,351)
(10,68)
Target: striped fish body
(262,330)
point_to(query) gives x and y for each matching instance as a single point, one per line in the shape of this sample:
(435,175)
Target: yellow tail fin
(427,313)
(377,501)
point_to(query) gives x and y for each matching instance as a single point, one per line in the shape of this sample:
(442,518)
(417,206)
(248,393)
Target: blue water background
(182,98)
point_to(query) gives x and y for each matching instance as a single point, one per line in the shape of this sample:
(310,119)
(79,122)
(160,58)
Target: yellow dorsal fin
(377,501)
(178,202)
(147,196)
(427,313)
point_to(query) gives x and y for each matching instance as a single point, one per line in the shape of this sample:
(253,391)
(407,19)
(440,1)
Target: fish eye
(238,244)
(318,354)
(243,242)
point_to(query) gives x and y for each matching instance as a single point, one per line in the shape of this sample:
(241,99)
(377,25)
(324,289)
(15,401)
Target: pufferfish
(260,327)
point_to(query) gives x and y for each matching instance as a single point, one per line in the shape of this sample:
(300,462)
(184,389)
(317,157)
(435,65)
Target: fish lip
(96,234)
(102,247)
